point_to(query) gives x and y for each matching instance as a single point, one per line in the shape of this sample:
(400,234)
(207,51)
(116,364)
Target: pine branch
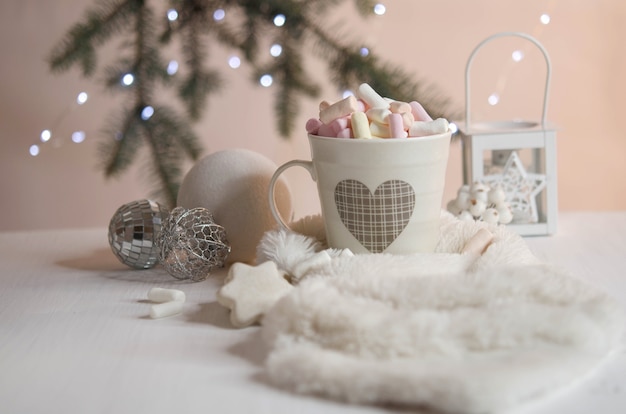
(168,136)
(350,68)
(200,82)
(166,157)
(120,149)
(78,46)
(177,128)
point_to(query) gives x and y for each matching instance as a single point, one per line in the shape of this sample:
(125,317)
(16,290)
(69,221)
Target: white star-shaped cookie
(249,291)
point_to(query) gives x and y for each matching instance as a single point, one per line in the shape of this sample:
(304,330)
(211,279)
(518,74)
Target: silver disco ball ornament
(192,244)
(133,233)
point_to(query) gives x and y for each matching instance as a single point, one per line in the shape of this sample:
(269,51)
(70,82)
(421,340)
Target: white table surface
(75,336)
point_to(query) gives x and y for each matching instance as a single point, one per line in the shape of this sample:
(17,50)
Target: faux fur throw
(456,333)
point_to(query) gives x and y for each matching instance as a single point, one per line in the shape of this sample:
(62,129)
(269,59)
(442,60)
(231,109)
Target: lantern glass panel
(521,172)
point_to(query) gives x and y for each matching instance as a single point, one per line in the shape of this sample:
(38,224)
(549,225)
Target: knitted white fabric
(443,330)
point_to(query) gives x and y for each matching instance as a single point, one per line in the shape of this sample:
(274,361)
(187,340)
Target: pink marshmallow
(326,131)
(419,113)
(345,133)
(339,124)
(396,126)
(313,126)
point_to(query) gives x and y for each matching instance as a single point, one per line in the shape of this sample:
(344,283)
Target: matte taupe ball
(233,185)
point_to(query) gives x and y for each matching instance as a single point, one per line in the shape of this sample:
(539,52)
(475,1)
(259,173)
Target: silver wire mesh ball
(133,232)
(192,244)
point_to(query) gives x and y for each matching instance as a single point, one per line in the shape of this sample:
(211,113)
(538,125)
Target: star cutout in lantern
(249,291)
(521,188)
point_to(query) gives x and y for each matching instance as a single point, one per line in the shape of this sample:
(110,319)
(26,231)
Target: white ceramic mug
(378,195)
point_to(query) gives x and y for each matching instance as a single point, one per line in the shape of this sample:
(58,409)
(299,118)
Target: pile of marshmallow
(479,202)
(369,116)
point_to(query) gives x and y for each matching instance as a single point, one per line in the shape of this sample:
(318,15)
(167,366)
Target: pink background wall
(61,187)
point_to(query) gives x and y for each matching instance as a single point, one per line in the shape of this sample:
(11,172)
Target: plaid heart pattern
(375,220)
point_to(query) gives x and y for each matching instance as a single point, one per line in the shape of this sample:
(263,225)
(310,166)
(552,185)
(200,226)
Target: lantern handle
(489,39)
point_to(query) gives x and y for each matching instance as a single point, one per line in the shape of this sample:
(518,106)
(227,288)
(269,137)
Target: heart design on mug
(377,219)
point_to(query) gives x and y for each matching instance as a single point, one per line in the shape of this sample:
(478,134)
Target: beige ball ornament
(233,185)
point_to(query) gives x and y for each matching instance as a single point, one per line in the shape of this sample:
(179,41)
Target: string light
(34,150)
(82,98)
(279,20)
(78,136)
(45,135)
(276,50)
(172,67)
(234,62)
(128,79)
(172,15)
(266,80)
(380,9)
(493,99)
(219,14)
(545,18)
(346,93)
(453,128)
(364,51)
(147,113)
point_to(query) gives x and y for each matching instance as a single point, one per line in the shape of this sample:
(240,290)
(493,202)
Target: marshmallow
(345,133)
(396,126)
(313,126)
(339,124)
(336,120)
(419,112)
(360,125)
(165,309)
(420,128)
(361,106)
(339,109)
(378,115)
(407,119)
(399,107)
(371,97)
(478,243)
(326,131)
(380,130)
(166,295)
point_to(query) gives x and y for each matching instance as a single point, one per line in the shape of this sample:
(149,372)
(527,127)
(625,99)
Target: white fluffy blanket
(452,332)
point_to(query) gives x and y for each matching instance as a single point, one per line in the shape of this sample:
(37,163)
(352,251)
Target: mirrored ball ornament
(192,244)
(133,232)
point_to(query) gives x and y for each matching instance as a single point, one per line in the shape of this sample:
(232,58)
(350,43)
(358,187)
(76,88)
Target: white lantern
(519,156)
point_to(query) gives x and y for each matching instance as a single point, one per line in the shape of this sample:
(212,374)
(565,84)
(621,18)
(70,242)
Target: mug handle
(308,165)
